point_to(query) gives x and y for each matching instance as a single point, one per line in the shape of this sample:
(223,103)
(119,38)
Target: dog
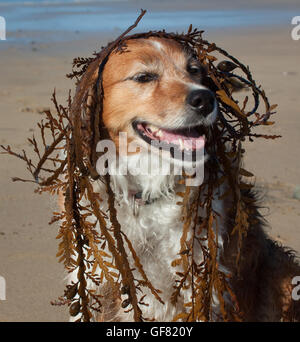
(157,92)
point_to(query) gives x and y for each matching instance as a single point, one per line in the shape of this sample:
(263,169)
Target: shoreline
(64,21)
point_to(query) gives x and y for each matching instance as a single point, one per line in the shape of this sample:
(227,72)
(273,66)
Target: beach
(35,61)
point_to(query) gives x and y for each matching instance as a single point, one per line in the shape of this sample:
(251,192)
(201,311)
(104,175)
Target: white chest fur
(155,233)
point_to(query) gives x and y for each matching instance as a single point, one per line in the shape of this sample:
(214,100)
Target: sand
(28,76)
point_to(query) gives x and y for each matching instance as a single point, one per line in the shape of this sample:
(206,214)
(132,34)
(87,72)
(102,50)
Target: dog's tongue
(188,139)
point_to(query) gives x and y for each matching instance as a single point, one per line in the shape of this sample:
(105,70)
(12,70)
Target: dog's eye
(196,70)
(145,77)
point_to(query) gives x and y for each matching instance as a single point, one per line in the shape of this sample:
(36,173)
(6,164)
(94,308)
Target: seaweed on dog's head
(104,256)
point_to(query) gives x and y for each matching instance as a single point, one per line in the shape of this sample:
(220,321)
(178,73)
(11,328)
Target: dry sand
(28,76)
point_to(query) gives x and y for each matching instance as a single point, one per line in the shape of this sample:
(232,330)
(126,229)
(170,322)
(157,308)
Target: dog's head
(155,92)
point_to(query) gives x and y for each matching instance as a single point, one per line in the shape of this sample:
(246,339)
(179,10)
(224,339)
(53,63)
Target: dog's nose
(202,100)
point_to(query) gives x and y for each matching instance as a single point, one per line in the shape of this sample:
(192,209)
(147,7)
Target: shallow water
(58,17)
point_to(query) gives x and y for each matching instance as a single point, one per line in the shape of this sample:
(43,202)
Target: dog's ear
(86,109)
(85,90)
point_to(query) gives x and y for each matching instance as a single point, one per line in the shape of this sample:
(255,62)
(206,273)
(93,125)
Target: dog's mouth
(187,140)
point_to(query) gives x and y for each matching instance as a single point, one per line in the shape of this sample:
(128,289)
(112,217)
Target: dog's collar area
(138,202)
(138,198)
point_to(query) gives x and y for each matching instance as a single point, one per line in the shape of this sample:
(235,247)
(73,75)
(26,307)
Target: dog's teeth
(153,129)
(181,144)
(159,133)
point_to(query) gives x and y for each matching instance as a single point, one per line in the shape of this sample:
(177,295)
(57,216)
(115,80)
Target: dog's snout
(202,101)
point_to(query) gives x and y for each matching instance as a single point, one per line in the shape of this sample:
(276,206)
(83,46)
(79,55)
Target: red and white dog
(156,92)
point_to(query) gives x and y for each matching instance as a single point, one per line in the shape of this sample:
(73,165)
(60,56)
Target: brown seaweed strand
(141,270)
(81,266)
(192,256)
(125,270)
(55,175)
(185,230)
(102,223)
(127,275)
(73,211)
